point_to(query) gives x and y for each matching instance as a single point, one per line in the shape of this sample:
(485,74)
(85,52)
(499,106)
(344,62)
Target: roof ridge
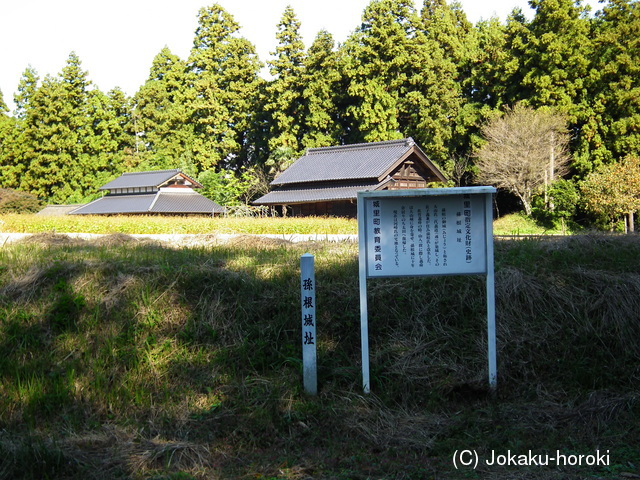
(174,170)
(362,146)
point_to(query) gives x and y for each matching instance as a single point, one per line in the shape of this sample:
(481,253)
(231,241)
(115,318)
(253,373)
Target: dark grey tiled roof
(338,173)
(184,200)
(142,179)
(113,204)
(180,201)
(57,210)
(348,162)
(289,196)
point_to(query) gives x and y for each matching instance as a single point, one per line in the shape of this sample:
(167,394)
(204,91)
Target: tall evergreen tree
(557,58)
(11,146)
(241,83)
(321,95)
(557,55)
(3,105)
(43,173)
(284,94)
(26,89)
(485,82)
(549,62)
(57,129)
(431,101)
(110,143)
(14,144)
(374,64)
(489,66)
(8,130)
(400,80)
(612,128)
(223,74)
(161,114)
(447,26)
(518,38)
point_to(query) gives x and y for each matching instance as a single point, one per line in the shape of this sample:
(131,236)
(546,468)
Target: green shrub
(559,206)
(14,201)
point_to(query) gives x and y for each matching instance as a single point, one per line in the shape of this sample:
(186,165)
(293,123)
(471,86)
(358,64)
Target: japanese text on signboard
(425,235)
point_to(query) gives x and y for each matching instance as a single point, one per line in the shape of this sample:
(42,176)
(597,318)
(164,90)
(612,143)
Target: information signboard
(438,231)
(425,235)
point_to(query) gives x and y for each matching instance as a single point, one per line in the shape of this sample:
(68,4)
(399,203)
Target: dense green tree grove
(407,70)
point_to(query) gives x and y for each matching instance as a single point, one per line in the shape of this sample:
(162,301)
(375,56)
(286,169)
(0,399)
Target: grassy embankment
(127,359)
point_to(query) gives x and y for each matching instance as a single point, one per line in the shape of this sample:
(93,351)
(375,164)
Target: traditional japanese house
(162,192)
(325,181)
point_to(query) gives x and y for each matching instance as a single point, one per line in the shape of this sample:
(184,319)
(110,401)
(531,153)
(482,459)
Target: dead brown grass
(252,241)
(52,239)
(117,240)
(25,286)
(114,452)
(386,427)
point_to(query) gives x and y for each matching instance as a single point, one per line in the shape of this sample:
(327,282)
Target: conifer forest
(426,73)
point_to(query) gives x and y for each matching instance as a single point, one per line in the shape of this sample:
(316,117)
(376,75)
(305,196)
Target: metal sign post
(424,232)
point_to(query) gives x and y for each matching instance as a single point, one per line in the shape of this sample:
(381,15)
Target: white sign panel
(439,231)
(425,235)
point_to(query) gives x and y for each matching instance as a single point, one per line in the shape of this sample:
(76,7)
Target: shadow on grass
(188,360)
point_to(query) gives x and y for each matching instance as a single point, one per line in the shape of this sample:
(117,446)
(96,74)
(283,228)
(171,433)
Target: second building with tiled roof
(326,181)
(161,192)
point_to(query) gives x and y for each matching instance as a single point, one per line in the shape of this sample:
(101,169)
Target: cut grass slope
(129,359)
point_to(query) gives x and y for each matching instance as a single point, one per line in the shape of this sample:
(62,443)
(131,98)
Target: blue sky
(117,40)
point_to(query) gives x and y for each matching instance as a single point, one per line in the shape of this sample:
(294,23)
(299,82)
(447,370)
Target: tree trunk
(526,204)
(631,223)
